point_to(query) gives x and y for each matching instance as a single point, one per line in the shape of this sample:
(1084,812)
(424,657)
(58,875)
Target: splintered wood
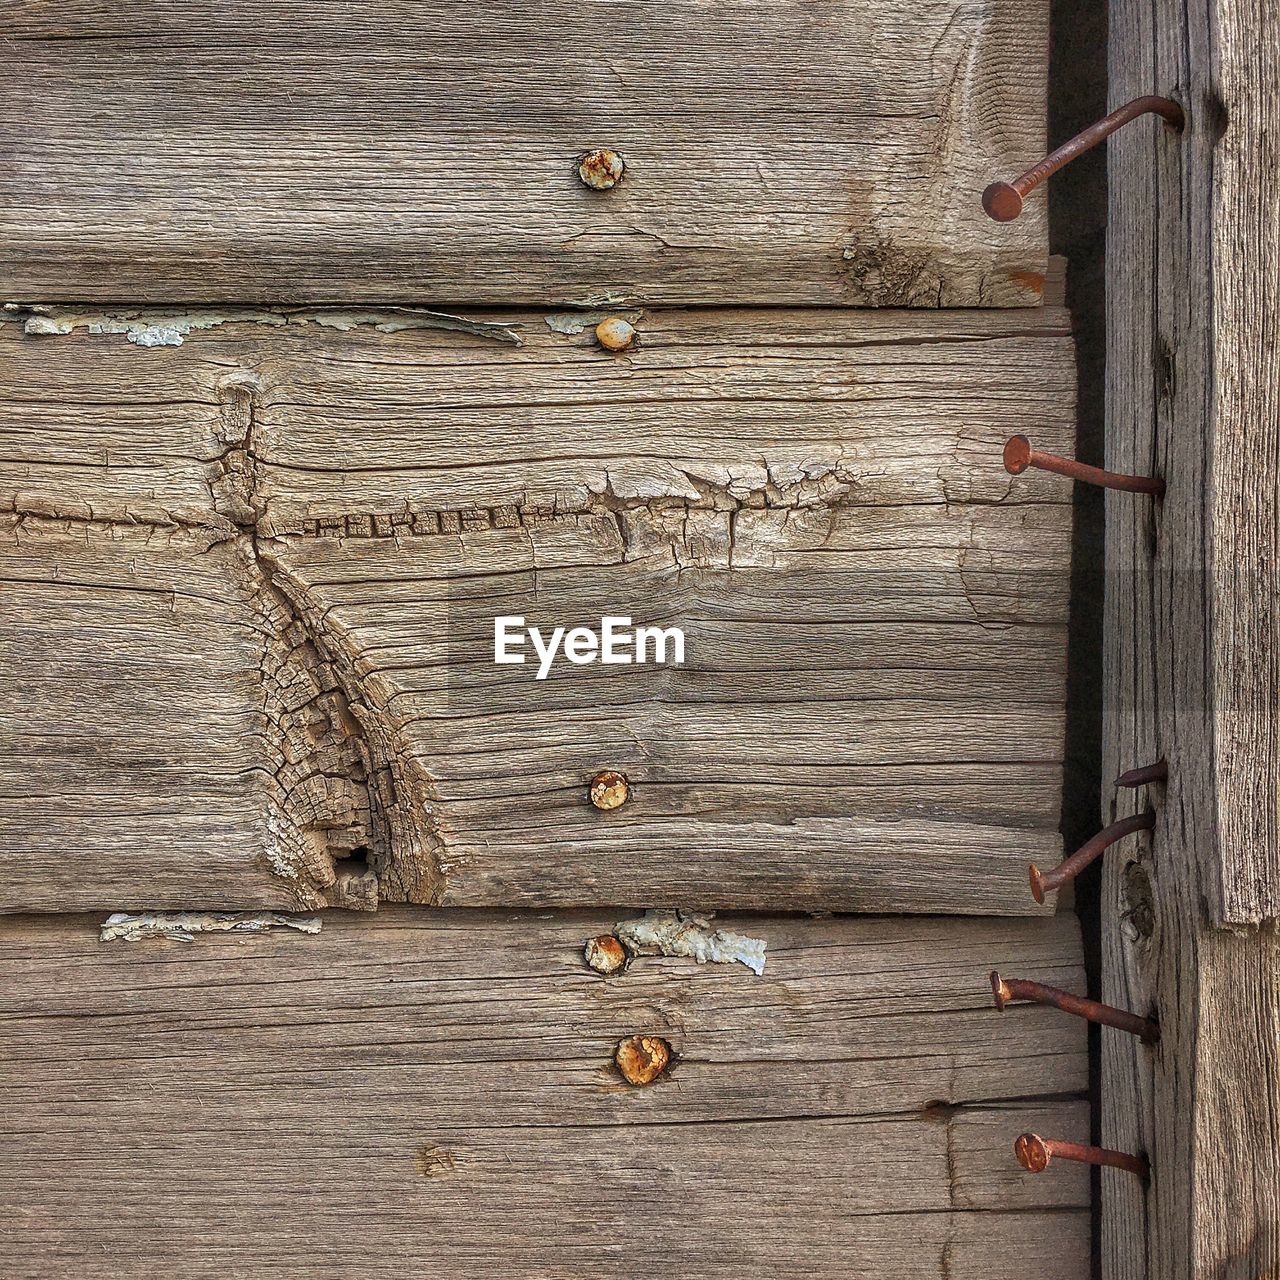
(425,1092)
(771,153)
(251,584)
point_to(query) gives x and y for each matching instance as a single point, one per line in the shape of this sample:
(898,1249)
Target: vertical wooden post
(1192,628)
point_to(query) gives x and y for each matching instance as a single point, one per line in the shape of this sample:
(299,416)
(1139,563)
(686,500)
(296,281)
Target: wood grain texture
(869,716)
(1191,657)
(775,153)
(431,1093)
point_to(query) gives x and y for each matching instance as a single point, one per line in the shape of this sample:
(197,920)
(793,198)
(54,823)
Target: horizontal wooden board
(252,583)
(431,1093)
(775,153)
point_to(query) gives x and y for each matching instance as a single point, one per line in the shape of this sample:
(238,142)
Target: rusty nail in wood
(1035,1152)
(605,954)
(1019,455)
(609,789)
(642,1059)
(1003,200)
(1006,989)
(615,334)
(1158,772)
(1044,881)
(601,169)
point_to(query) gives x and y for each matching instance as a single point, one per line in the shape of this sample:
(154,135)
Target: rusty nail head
(600,169)
(1106,1015)
(1019,455)
(615,334)
(999,990)
(1003,200)
(1031,1152)
(1034,1154)
(1043,882)
(609,789)
(642,1059)
(605,954)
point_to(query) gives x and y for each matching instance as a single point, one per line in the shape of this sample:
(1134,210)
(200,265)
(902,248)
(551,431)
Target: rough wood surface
(251,583)
(431,1093)
(775,152)
(1191,646)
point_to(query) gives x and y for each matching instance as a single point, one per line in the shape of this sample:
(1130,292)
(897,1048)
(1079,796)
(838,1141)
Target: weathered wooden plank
(775,153)
(392,1094)
(1191,655)
(133,763)
(870,711)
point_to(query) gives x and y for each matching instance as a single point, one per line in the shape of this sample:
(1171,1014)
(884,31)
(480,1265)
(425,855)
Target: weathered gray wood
(431,1093)
(776,153)
(1191,655)
(315,530)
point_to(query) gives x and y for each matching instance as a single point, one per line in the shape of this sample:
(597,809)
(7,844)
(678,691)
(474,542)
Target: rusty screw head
(609,789)
(601,169)
(642,1059)
(605,954)
(615,334)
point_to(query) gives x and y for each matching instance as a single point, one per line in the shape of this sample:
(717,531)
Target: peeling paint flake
(184,925)
(682,933)
(572,323)
(155,327)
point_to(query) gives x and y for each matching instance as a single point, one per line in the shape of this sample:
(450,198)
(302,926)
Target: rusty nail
(1006,989)
(600,169)
(1003,200)
(615,334)
(1035,1152)
(1158,772)
(1019,455)
(609,789)
(605,954)
(1043,881)
(642,1059)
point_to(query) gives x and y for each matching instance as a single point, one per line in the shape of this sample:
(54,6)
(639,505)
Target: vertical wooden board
(432,1093)
(870,711)
(775,153)
(1191,661)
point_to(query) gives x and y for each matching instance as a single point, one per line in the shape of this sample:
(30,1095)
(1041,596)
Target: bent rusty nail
(1006,989)
(1158,772)
(1019,455)
(1003,200)
(1034,1153)
(1043,881)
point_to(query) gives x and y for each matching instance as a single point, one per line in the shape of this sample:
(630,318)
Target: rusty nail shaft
(1043,881)
(1003,200)
(1158,772)
(1019,455)
(1035,1152)
(1006,989)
